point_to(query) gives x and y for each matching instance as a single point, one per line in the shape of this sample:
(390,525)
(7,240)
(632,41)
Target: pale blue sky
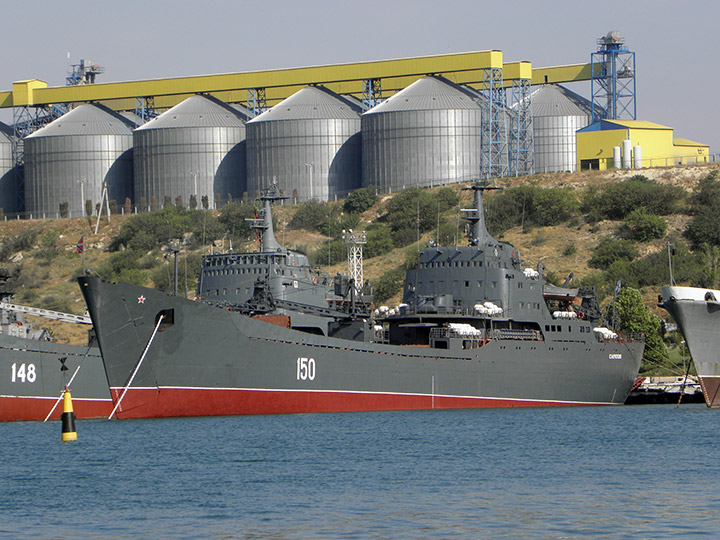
(675,43)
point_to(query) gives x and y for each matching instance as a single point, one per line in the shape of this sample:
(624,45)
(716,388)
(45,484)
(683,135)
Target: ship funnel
(479,234)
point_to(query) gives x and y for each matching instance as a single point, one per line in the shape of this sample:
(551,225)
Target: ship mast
(479,235)
(265,225)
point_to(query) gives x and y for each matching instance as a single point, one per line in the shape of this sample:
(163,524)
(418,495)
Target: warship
(36,369)
(475,329)
(697,314)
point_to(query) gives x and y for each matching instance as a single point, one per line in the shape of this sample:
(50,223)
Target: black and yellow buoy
(68,418)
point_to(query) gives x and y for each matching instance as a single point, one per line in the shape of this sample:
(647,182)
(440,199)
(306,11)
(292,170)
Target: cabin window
(547,327)
(467,283)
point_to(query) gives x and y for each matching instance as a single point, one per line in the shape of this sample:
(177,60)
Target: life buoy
(581,315)
(314,281)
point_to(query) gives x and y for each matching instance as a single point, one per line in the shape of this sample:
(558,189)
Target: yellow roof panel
(688,142)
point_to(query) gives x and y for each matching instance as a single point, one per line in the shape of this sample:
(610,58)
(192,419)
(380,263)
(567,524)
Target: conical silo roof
(428,93)
(87,119)
(312,102)
(556,100)
(196,112)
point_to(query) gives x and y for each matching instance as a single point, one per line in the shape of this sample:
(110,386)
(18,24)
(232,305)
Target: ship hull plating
(205,360)
(697,313)
(31,381)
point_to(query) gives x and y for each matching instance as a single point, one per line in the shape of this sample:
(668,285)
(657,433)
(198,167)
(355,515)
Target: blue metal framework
(256,100)
(145,108)
(521,151)
(612,80)
(494,132)
(372,93)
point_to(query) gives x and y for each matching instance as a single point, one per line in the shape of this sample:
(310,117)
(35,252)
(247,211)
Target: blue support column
(612,81)
(494,131)
(521,151)
(256,100)
(372,93)
(145,108)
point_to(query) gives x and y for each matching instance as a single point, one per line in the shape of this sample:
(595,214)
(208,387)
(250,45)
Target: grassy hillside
(42,255)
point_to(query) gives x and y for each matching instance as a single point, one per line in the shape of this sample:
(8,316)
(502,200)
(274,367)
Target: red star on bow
(141,299)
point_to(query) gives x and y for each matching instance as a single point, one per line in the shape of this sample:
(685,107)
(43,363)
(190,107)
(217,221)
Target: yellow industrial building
(635,144)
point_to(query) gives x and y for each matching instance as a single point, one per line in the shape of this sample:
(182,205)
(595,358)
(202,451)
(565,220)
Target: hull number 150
(305,369)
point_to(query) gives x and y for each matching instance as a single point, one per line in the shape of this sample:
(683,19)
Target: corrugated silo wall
(8,196)
(280,150)
(167,158)
(421,148)
(55,167)
(555,143)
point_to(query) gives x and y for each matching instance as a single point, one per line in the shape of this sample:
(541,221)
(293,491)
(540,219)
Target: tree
(193,202)
(88,208)
(634,317)
(179,201)
(389,284)
(128,206)
(205,202)
(153,204)
(64,209)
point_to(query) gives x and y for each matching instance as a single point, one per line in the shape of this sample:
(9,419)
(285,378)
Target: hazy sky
(676,43)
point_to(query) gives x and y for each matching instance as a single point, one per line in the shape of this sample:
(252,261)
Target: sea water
(595,472)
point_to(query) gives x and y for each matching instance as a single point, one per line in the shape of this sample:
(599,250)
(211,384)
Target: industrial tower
(612,83)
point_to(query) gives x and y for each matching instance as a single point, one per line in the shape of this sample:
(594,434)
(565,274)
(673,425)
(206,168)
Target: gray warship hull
(167,356)
(31,381)
(697,314)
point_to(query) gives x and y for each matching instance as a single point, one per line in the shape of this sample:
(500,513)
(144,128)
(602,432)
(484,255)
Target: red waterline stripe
(168,402)
(37,408)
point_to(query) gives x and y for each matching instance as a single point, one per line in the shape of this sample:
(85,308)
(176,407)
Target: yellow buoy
(68,418)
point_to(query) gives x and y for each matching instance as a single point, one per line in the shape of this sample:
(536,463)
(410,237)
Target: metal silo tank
(195,148)
(557,114)
(8,195)
(68,161)
(309,143)
(425,135)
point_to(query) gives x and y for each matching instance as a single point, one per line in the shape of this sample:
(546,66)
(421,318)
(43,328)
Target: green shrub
(144,232)
(360,200)
(569,250)
(416,208)
(379,242)
(529,206)
(611,249)
(616,201)
(704,225)
(329,253)
(388,285)
(644,227)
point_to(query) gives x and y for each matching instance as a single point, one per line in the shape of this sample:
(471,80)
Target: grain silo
(195,148)
(309,143)
(8,194)
(425,135)
(67,161)
(557,114)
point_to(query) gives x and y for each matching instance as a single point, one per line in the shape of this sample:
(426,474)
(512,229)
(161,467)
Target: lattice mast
(494,129)
(612,82)
(355,243)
